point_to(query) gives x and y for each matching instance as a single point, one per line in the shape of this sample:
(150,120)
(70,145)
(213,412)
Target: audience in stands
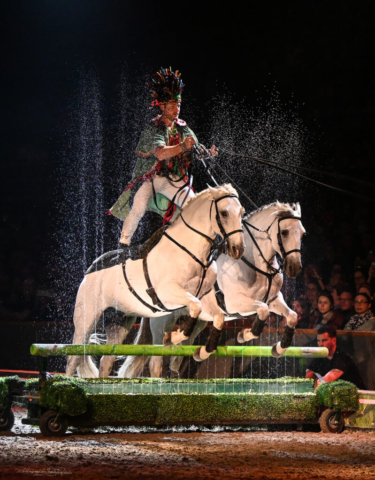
(312,294)
(346,305)
(364,318)
(359,277)
(366,288)
(302,307)
(327,315)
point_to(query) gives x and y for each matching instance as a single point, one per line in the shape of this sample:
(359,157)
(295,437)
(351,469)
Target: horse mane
(214,193)
(280,210)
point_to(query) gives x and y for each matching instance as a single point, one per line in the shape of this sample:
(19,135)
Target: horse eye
(224,214)
(284,233)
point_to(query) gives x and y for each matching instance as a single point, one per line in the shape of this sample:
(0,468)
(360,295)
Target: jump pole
(58,350)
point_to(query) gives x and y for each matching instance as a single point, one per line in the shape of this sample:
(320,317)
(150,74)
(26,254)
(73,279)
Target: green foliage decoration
(12,384)
(72,396)
(3,390)
(177,409)
(65,394)
(339,395)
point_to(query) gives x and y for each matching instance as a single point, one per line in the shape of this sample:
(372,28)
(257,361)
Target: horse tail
(87,368)
(98,338)
(134,364)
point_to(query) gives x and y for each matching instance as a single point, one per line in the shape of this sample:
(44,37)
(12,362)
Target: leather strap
(153,309)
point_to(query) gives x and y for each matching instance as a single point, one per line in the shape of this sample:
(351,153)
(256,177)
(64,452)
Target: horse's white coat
(173,273)
(244,288)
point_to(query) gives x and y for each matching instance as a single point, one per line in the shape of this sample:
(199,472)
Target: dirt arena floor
(292,455)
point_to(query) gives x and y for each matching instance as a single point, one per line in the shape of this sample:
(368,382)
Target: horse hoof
(240,337)
(201,354)
(167,340)
(275,353)
(196,355)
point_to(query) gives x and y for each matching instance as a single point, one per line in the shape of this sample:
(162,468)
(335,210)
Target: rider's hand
(213,151)
(189,142)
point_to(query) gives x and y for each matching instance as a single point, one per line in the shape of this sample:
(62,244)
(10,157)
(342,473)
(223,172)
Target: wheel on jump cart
(6,419)
(331,421)
(52,425)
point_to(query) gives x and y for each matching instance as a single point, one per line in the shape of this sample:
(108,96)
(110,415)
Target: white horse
(250,286)
(177,272)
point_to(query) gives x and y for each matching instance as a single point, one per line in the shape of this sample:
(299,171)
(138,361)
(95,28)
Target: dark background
(318,56)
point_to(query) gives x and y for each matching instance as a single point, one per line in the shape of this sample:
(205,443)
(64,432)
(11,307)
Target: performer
(164,158)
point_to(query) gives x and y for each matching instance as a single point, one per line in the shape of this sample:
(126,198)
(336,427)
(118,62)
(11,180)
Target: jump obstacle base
(54,403)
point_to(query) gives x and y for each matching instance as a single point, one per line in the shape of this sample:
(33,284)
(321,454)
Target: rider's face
(171,110)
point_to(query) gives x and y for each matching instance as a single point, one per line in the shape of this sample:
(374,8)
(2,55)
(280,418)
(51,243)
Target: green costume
(155,136)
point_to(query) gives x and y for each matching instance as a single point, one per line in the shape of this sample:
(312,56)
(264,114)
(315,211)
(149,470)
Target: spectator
(335,292)
(371,274)
(359,278)
(336,278)
(312,294)
(338,365)
(311,275)
(327,315)
(346,305)
(366,288)
(302,307)
(364,318)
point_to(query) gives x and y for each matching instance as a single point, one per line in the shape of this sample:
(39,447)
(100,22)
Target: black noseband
(284,254)
(224,234)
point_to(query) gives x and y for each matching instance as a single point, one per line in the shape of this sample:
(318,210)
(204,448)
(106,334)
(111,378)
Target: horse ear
(297,208)
(212,192)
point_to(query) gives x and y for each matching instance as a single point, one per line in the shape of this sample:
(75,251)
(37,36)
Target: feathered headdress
(165,86)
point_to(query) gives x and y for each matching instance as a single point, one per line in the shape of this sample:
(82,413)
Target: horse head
(286,236)
(226,214)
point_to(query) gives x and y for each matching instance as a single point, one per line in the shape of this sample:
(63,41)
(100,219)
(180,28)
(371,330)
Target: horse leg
(175,362)
(247,334)
(244,305)
(209,303)
(134,364)
(158,327)
(156,366)
(186,327)
(86,315)
(150,332)
(116,334)
(281,308)
(178,296)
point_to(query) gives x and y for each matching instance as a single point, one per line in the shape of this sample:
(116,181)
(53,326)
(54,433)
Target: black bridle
(205,266)
(273,271)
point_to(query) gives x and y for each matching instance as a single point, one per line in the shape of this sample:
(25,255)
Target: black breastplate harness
(223,245)
(271,270)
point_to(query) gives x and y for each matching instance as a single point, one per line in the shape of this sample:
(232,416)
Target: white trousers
(144,195)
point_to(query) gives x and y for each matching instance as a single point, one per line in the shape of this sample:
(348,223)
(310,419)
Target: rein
(279,167)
